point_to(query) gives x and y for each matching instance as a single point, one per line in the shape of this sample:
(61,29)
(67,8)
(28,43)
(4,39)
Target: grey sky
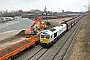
(52,5)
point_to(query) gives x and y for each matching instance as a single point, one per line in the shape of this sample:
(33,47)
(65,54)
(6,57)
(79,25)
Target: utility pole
(89,5)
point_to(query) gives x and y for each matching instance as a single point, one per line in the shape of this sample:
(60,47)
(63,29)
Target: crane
(33,30)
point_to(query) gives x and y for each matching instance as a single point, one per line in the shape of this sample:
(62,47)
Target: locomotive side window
(51,36)
(55,34)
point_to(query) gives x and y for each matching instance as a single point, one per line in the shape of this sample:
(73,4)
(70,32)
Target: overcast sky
(52,5)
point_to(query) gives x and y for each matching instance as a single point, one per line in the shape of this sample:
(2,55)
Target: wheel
(54,41)
(51,43)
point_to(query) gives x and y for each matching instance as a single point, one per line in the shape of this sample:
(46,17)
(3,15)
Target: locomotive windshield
(42,36)
(47,36)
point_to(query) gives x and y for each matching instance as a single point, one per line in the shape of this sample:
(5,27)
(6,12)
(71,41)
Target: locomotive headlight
(44,40)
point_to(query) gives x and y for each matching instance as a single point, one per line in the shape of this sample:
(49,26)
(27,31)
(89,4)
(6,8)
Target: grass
(79,50)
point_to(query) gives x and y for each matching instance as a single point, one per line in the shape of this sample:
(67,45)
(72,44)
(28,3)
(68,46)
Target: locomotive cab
(45,38)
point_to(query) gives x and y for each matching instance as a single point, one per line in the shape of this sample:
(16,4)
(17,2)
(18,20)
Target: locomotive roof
(47,32)
(53,30)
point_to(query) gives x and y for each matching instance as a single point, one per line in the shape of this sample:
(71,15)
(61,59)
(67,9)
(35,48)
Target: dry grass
(87,32)
(79,50)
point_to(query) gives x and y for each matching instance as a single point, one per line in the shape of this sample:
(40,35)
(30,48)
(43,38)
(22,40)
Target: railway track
(70,46)
(59,51)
